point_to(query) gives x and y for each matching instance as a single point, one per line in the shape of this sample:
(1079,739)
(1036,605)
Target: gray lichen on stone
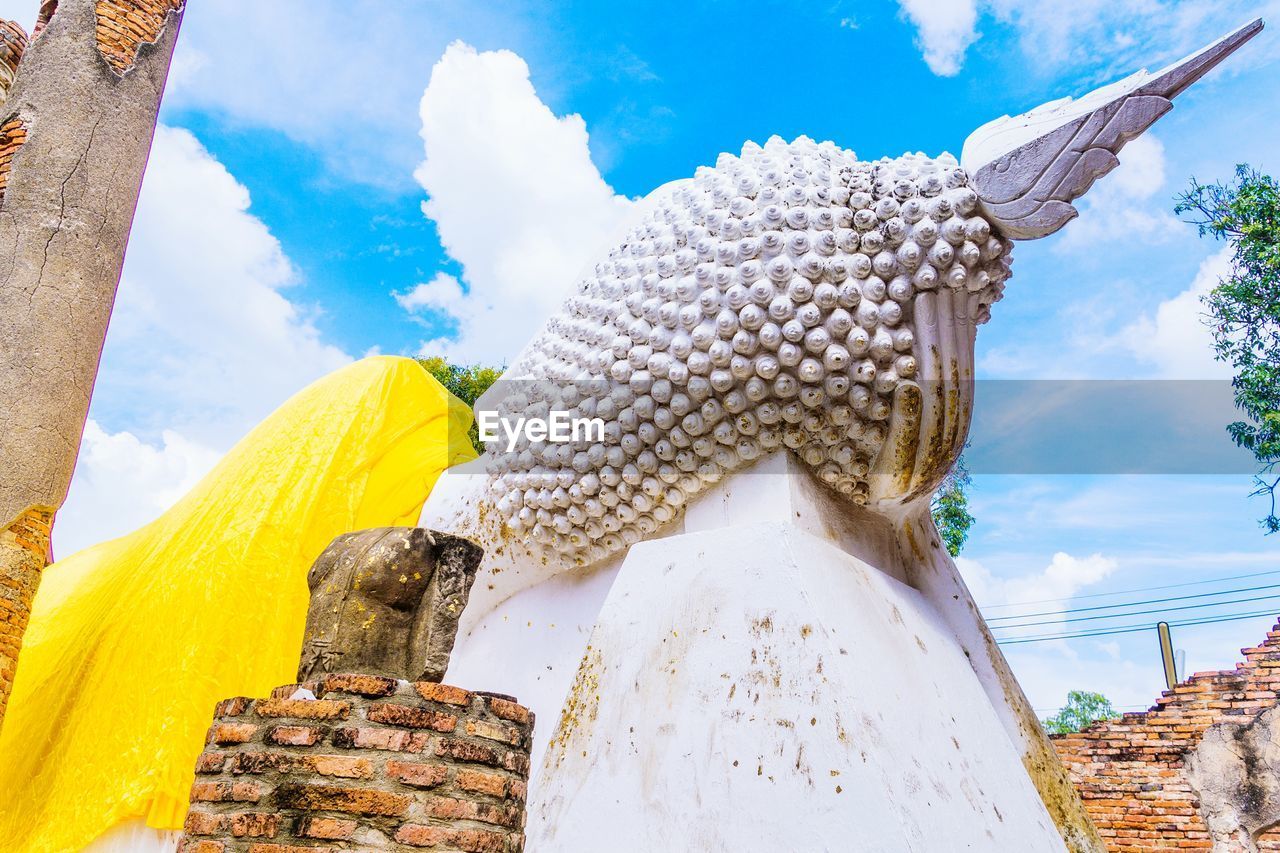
(1236,772)
(386,601)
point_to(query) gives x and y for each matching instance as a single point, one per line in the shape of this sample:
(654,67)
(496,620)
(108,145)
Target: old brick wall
(24,546)
(371,763)
(1130,771)
(13,43)
(124,25)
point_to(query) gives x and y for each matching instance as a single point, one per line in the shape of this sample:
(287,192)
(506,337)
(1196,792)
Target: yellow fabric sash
(133,641)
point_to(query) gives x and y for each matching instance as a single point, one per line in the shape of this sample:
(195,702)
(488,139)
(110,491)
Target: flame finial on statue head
(1028,169)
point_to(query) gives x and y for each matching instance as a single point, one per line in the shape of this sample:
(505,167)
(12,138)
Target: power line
(1141,612)
(1129,629)
(1134,603)
(1129,591)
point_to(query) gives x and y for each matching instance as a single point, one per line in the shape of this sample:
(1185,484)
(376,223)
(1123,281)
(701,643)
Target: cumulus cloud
(203,344)
(1174,339)
(443,293)
(203,339)
(515,197)
(1123,205)
(122,483)
(1118,35)
(1045,591)
(945,29)
(309,69)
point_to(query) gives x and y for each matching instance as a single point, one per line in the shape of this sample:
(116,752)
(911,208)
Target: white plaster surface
(756,688)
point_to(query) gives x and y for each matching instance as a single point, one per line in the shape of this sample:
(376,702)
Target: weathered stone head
(386,601)
(795,298)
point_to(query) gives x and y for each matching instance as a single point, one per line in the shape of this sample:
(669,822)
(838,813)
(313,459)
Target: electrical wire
(1135,603)
(1141,612)
(1130,629)
(1129,591)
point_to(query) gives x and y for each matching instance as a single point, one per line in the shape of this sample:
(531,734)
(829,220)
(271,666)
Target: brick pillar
(13,43)
(371,763)
(24,550)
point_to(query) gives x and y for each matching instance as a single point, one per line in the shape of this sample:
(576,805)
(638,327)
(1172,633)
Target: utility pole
(1168,657)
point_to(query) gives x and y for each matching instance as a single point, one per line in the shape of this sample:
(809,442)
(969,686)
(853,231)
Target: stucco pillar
(75,132)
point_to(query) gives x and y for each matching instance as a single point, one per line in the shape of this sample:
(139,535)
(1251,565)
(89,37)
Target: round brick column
(370,763)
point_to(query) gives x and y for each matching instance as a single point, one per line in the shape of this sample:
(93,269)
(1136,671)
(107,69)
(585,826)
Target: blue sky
(282,232)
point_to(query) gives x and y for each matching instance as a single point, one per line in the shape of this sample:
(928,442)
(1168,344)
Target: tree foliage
(950,509)
(1082,709)
(1244,310)
(466,382)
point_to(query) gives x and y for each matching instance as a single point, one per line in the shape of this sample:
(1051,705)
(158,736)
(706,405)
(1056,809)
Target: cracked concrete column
(76,128)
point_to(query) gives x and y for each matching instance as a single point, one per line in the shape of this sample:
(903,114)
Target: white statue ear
(1028,169)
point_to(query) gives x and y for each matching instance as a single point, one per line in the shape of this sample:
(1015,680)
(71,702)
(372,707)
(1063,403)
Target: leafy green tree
(1244,311)
(950,509)
(1082,709)
(466,382)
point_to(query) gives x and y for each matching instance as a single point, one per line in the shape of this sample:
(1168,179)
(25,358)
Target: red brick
(433,692)
(384,739)
(462,750)
(469,840)
(294,735)
(509,710)
(192,845)
(239,763)
(288,848)
(337,765)
(416,718)
(204,823)
(489,731)
(226,734)
(255,825)
(304,709)
(417,775)
(225,792)
(326,828)
(482,783)
(210,762)
(233,707)
(447,808)
(349,800)
(360,685)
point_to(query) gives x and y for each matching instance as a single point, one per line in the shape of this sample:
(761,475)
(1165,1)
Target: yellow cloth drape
(131,642)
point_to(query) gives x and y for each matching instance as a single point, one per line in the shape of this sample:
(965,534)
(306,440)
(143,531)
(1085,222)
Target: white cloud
(202,345)
(338,77)
(122,483)
(202,339)
(1121,208)
(443,294)
(1174,338)
(945,29)
(515,197)
(1062,578)
(1118,35)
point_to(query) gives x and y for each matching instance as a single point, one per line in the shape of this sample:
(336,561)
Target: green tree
(1082,709)
(466,382)
(950,509)
(1244,311)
